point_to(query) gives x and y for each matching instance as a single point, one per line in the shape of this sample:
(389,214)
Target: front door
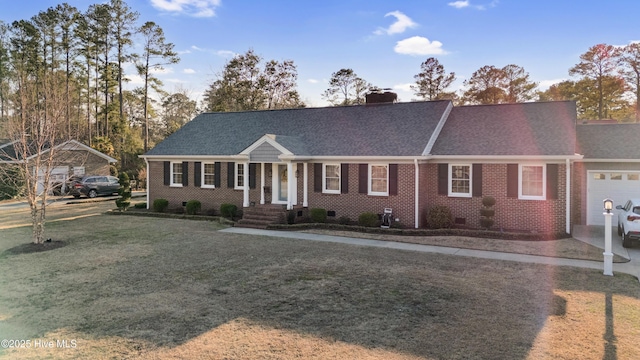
(283,183)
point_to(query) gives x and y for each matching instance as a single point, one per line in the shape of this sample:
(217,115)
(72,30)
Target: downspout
(568,195)
(417,194)
(147,182)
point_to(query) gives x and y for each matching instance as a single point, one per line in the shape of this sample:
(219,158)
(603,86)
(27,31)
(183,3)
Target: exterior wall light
(608,205)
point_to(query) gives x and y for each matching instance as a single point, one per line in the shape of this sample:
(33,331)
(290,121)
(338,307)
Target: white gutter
(568,196)
(505,158)
(609,160)
(353,159)
(417,194)
(194,157)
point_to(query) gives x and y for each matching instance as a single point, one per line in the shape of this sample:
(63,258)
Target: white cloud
(418,45)
(546,84)
(163,70)
(459,4)
(225,53)
(313,81)
(403,87)
(196,8)
(134,79)
(189,71)
(403,22)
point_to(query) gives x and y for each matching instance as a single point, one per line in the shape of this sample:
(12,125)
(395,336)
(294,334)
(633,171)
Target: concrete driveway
(62,200)
(594,235)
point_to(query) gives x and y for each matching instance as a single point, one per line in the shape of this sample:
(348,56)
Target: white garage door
(618,186)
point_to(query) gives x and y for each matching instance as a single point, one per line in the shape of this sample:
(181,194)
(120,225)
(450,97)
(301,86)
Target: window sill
(208,186)
(379,194)
(463,196)
(535,198)
(176,185)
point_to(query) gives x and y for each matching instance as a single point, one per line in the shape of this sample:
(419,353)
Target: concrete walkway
(590,234)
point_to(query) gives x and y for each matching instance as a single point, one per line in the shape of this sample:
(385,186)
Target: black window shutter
(185,173)
(363,177)
(512,180)
(197,173)
(443,179)
(317,177)
(344,178)
(477,180)
(552,181)
(216,174)
(231,172)
(167,173)
(252,176)
(393,179)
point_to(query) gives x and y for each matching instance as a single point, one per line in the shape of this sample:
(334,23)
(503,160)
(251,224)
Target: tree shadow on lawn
(421,304)
(29,248)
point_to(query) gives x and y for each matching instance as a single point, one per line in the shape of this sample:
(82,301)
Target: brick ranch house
(71,158)
(405,156)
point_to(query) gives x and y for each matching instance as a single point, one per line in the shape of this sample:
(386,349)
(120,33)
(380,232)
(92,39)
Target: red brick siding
(353,203)
(511,213)
(210,198)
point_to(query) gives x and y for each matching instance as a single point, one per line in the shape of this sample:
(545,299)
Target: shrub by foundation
(368,219)
(160,205)
(228,210)
(318,215)
(193,207)
(440,217)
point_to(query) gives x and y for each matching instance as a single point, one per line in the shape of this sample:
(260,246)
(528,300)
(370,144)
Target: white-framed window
(78,171)
(208,175)
(460,180)
(240,176)
(176,174)
(331,178)
(532,184)
(379,179)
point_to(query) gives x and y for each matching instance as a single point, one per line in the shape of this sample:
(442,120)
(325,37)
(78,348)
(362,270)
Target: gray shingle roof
(540,128)
(401,129)
(611,141)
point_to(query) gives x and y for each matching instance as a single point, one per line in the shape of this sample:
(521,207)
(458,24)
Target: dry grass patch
(565,248)
(130,287)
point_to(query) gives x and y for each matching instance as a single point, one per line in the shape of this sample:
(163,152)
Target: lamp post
(608,255)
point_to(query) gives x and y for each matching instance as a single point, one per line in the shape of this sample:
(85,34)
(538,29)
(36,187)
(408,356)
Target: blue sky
(384,42)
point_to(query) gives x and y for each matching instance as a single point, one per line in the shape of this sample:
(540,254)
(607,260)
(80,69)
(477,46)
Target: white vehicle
(629,221)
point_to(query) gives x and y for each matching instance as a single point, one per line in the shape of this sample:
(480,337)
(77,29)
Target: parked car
(92,186)
(629,221)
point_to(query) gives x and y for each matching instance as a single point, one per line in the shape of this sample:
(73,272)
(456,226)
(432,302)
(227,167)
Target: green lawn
(132,287)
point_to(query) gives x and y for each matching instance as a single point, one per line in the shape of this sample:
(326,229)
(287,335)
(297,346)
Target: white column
(245,188)
(147,183)
(417,195)
(291,178)
(305,184)
(568,196)
(262,177)
(608,255)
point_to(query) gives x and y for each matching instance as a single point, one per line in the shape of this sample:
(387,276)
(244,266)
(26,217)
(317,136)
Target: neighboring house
(405,156)
(610,169)
(70,158)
